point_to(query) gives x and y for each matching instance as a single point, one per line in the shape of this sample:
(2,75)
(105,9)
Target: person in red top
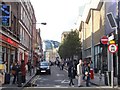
(23,71)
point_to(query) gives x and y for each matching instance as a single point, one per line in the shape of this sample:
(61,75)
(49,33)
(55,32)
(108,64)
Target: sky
(60,16)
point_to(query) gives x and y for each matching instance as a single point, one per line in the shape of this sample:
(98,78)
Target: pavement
(98,80)
(28,78)
(101,81)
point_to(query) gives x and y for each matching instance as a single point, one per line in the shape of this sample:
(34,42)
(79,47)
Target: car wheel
(37,72)
(49,72)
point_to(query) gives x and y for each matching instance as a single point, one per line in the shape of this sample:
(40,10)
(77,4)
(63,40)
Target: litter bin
(91,74)
(19,79)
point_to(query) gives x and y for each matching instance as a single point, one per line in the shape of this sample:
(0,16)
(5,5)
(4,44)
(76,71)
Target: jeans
(88,81)
(71,81)
(14,79)
(79,80)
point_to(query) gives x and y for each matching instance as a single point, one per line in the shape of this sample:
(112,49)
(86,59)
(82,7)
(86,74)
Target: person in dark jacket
(83,70)
(17,70)
(71,73)
(29,67)
(87,73)
(23,70)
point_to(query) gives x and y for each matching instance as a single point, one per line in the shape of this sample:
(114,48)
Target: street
(58,78)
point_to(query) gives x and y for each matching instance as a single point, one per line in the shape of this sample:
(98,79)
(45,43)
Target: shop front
(8,51)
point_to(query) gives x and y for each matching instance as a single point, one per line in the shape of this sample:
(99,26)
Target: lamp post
(32,39)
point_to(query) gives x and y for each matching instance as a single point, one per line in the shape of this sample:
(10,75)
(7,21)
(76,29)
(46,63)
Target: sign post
(5,15)
(113,48)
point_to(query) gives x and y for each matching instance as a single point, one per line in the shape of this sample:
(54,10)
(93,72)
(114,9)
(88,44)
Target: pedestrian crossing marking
(65,81)
(60,74)
(57,80)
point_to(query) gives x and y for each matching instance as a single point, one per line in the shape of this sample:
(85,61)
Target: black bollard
(19,79)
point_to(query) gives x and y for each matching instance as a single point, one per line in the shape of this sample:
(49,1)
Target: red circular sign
(104,40)
(113,48)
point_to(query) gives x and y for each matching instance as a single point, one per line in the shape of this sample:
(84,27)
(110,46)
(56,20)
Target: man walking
(79,72)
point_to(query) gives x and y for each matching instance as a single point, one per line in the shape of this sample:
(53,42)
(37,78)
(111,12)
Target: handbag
(86,73)
(13,72)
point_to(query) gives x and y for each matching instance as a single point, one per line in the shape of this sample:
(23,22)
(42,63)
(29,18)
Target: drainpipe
(92,40)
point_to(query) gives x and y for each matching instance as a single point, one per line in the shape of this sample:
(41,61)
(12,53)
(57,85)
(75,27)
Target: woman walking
(71,73)
(87,73)
(14,70)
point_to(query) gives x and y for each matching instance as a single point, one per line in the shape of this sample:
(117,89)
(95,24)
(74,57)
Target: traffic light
(5,15)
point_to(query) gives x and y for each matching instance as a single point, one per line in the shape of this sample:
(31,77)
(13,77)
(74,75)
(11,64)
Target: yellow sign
(112,41)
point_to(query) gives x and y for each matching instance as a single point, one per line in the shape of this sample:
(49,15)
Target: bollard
(19,79)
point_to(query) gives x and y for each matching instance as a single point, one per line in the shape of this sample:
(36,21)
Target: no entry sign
(104,40)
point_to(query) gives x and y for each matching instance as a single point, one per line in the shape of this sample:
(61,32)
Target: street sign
(5,15)
(104,40)
(112,41)
(113,48)
(111,20)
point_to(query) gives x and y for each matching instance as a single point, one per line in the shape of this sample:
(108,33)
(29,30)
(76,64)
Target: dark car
(43,67)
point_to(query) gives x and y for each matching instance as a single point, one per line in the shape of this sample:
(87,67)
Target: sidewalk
(100,82)
(97,81)
(28,78)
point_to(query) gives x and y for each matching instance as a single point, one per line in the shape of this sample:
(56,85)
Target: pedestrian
(61,65)
(23,71)
(79,73)
(87,74)
(29,67)
(75,67)
(71,73)
(5,71)
(14,69)
(5,67)
(17,71)
(83,70)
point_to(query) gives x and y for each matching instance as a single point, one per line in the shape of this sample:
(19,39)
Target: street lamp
(43,23)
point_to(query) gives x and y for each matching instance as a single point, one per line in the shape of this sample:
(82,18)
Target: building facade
(93,26)
(50,48)
(9,37)
(18,41)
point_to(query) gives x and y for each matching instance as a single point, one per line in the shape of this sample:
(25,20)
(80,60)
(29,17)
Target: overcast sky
(60,15)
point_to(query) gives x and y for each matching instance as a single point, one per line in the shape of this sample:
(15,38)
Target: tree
(71,46)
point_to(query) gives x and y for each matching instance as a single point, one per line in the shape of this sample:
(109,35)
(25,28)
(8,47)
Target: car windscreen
(44,64)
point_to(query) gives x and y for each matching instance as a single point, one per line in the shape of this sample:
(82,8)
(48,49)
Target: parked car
(43,67)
